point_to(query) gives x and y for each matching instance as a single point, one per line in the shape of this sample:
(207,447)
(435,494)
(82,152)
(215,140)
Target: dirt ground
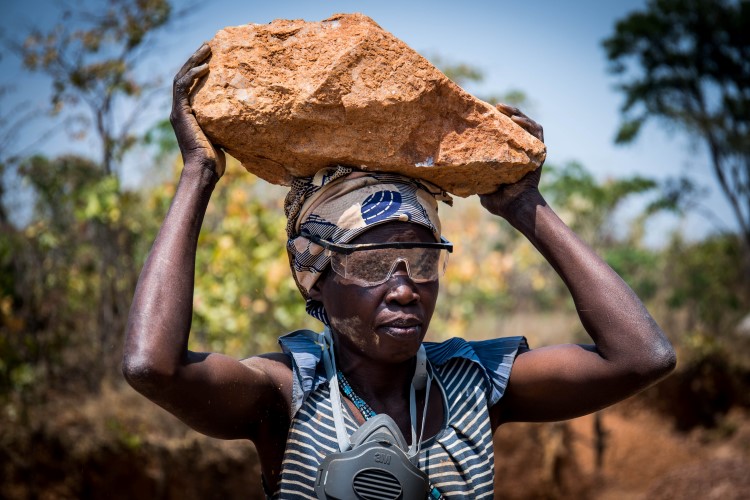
(118,445)
(645,458)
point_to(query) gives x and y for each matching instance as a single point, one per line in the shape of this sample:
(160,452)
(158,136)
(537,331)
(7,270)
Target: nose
(401,289)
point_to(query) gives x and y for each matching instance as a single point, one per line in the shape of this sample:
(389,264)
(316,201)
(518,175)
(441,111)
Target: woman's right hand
(196,149)
(506,200)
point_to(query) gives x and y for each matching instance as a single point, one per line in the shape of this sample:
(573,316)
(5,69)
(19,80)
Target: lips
(402,327)
(403,322)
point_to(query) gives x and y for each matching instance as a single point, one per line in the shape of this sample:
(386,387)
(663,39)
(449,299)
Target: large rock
(291,97)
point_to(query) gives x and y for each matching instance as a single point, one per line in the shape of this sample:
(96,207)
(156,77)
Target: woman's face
(385,322)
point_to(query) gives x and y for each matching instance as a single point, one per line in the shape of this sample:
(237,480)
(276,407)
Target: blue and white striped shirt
(458,460)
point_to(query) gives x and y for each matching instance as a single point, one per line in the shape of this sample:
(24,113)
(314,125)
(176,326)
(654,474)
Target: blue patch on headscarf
(380,205)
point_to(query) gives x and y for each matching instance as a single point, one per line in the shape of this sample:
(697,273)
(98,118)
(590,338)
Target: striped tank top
(458,460)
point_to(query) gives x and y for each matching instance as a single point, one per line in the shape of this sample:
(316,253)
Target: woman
(444,401)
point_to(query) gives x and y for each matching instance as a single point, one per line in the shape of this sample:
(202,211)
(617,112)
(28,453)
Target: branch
(129,122)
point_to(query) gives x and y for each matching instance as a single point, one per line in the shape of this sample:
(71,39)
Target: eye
(426,261)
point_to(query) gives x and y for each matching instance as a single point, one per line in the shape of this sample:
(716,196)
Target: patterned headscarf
(340,203)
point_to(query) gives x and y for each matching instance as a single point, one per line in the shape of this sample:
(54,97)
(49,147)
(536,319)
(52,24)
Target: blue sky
(549,49)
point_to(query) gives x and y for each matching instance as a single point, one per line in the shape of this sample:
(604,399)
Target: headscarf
(340,203)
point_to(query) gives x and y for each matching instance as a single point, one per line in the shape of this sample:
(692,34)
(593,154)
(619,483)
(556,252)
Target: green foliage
(629,130)
(162,138)
(589,206)
(678,195)
(685,62)
(59,186)
(494,271)
(52,290)
(706,282)
(60,282)
(245,296)
(123,436)
(638,266)
(67,289)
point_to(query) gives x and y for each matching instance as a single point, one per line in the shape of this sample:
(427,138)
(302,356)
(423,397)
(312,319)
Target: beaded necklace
(360,403)
(368,413)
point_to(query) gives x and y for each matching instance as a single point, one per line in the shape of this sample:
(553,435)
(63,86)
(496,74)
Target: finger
(489,201)
(183,84)
(523,121)
(221,161)
(507,109)
(510,111)
(198,56)
(530,126)
(182,117)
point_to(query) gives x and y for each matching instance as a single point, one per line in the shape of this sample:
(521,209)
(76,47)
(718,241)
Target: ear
(316,292)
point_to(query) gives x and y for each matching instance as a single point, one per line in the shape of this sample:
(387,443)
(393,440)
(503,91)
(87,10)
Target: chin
(400,347)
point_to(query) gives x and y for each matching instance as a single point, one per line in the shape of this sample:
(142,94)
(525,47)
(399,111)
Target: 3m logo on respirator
(382,458)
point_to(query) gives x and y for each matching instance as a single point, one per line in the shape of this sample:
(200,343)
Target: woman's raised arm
(214,394)
(630,351)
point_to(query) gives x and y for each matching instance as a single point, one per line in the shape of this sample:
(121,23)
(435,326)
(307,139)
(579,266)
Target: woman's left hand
(504,201)
(565,381)
(522,120)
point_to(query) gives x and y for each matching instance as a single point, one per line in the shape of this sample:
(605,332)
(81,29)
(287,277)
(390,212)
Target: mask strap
(325,339)
(424,409)
(422,371)
(413,415)
(329,361)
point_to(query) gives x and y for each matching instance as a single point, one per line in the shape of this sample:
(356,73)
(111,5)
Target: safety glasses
(370,264)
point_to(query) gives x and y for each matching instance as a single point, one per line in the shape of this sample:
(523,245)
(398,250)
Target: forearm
(161,312)
(619,324)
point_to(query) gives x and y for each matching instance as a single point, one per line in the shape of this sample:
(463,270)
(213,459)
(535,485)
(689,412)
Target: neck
(374,381)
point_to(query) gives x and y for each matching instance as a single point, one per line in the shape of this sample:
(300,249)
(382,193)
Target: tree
(91,59)
(686,62)
(14,118)
(590,207)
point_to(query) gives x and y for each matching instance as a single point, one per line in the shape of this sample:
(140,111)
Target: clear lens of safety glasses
(375,266)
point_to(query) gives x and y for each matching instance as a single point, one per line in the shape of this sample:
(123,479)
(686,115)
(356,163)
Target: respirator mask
(375,463)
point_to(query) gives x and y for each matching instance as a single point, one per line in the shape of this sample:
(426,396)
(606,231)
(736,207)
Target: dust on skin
(352,328)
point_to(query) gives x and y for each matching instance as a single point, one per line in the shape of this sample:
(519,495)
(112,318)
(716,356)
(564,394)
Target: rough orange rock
(291,97)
